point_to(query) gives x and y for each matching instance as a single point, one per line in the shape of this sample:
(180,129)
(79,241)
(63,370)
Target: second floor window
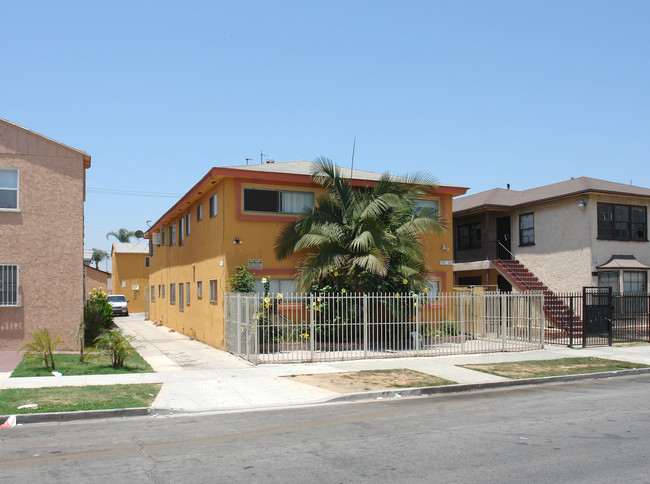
(622,222)
(526,229)
(213,205)
(469,236)
(277,201)
(181,231)
(8,188)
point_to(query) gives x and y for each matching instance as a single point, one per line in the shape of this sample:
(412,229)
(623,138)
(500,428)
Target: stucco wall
(209,253)
(128,270)
(45,237)
(96,279)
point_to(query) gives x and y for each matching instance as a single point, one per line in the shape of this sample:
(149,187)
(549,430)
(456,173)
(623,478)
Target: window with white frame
(276,286)
(187,224)
(276,201)
(609,279)
(213,205)
(187,293)
(199,289)
(430,205)
(433,289)
(172,234)
(9,285)
(181,298)
(8,189)
(199,212)
(172,293)
(635,281)
(213,290)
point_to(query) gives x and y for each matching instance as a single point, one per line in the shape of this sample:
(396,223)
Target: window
(608,279)
(199,289)
(163,290)
(429,204)
(172,234)
(213,205)
(172,294)
(9,285)
(433,289)
(469,236)
(277,201)
(8,189)
(159,293)
(163,236)
(146,261)
(622,222)
(181,232)
(187,224)
(527,229)
(187,293)
(151,249)
(199,212)
(213,290)
(181,299)
(153,293)
(634,281)
(281,286)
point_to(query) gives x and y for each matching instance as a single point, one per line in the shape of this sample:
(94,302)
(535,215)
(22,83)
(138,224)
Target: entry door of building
(503,238)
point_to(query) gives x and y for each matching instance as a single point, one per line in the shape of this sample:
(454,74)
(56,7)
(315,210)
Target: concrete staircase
(555,308)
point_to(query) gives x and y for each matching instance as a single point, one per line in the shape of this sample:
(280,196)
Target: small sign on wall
(135,287)
(255,264)
(123,283)
(446,262)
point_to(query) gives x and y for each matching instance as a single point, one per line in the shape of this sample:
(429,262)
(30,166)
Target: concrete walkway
(197,377)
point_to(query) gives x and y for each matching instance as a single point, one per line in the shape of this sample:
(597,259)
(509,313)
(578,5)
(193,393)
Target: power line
(132,193)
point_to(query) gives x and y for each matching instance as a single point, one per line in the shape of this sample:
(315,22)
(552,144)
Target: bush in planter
(98,316)
(242,280)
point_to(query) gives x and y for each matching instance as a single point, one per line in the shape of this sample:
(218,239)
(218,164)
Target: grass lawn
(70,365)
(562,366)
(68,399)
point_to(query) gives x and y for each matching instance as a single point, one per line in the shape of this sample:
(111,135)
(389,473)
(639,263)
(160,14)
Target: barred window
(9,285)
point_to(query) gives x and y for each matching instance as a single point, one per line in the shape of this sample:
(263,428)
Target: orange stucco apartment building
(42,192)
(231,218)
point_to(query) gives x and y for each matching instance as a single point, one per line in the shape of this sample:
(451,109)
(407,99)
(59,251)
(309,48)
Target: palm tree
(122,235)
(366,239)
(98,256)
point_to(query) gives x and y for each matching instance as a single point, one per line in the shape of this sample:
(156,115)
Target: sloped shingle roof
(501,198)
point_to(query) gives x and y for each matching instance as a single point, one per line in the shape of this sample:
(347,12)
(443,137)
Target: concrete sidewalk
(197,377)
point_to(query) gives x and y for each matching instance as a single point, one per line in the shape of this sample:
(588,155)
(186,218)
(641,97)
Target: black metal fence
(595,318)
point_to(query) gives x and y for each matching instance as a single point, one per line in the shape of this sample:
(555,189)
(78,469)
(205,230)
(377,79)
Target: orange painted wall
(209,253)
(129,270)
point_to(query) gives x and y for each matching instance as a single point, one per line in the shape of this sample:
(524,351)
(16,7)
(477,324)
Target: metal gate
(598,311)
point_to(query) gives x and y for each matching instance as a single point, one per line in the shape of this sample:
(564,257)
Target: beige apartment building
(42,193)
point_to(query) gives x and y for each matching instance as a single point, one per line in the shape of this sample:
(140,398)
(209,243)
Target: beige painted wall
(129,271)
(96,279)
(45,237)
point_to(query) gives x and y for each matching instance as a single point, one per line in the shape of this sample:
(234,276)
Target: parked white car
(119,303)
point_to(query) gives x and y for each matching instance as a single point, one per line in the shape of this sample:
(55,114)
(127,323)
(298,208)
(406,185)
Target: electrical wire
(132,193)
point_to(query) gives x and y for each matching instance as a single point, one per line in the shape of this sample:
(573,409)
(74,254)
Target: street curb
(29,418)
(467,387)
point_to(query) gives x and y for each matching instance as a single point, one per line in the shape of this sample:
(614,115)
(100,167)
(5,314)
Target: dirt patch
(369,380)
(563,366)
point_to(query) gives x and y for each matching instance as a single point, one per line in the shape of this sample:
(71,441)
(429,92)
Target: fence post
(462,323)
(571,321)
(504,311)
(417,327)
(365,325)
(311,326)
(228,307)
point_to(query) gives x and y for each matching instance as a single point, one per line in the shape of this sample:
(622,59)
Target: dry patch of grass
(368,380)
(68,399)
(562,366)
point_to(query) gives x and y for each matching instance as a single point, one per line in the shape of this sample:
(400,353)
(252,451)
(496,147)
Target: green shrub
(116,345)
(242,280)
(98,316)
(42,347)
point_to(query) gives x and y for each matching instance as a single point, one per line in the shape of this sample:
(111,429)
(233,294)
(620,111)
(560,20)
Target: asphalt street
(591,431)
